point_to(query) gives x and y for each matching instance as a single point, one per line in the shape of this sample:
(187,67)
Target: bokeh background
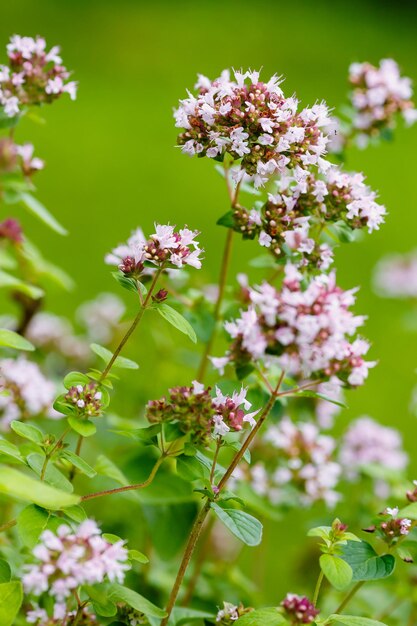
(112,165)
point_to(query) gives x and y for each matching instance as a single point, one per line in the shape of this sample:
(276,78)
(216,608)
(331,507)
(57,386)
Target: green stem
(349,596)
(227,253)
(8,525)
(50,453)
(318,587)
(145,483)
(132,328)
(77,452)
(198,524)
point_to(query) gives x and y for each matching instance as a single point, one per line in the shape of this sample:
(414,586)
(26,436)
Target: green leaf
(337,571)
(182,615)
(190,468)
(365,562)
(5,571)
(353,620)
(106,355)
(101,602)
(79,463)
(244,526)
(11,282)
(27,431)
(135,555)
(135,600)
(21,486)
(36,208)
(11,339)
(11,597)
(177,320)
(75,378)
(31,522)
(321,396)
(227,220)
(126,282)
(83,427)
(76,513)
(52,475)
(6,121)
(409,511)
(9,449)
(265,617)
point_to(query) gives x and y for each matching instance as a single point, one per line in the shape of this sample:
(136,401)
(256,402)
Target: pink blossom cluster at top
(240,115)
(303,202)
(299,456)
(396,276)
(200,414)
(378,95)
(33,76)
(67,559)
(308,331)
(166,247)
(299,609)
(368,443)
(29,393)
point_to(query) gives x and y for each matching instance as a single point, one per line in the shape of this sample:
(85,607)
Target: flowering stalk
(198,524)
(136,321)
(222,282)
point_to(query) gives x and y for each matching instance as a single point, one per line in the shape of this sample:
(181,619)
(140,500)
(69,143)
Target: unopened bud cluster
(201,415)
(299,609)
(230,613)
(86,399)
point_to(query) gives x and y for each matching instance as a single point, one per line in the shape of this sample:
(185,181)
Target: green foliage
(338,572)
(82,426)
(10,339)
(11,597)
(119,593)
(352,620)
(121,362)
(265,617)
(244,526)
(365,562)
(35,207)
(22,487)
(177,320)
(28,431)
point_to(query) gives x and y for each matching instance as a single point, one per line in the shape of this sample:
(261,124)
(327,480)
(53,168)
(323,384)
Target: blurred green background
(112,164)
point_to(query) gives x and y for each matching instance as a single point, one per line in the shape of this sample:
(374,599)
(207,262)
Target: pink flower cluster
(165,248)
(33,76)
(307,331)
(302,205)
(10,229)
(50,332)
(379,94)
(300,457)
(14,157)
(67,559)
(39,616)
(396,276)
(368,443)
(200,414)
(29,393)
(299,609)
(253,121)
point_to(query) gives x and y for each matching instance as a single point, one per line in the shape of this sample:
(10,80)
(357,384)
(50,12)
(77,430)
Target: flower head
(33,76)
(379,95)
(166,248)
(251,120)
(86,399)
(66,559)
(200,414)
(309,331)
(29,393)
(299,609)
(396,276)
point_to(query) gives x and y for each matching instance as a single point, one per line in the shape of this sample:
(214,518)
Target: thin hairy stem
(227,253)
(8,525)
(199,562)
(145,483)
(216,456)
(51,452)
(77,452)
(189,549)
(134,325)
(318,587)
(349,596)
(198,524)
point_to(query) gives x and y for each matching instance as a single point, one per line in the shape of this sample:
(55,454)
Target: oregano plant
(144,526)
